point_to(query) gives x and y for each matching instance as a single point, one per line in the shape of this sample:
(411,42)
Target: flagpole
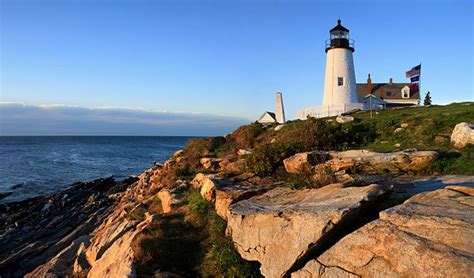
(419,84)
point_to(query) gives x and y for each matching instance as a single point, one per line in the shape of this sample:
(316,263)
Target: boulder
(118,258)
(208,189)
(344,119)
(200,178)
(210,163)
(368,162)
(233,167)
(463,135)
(178,153)
(279,127)
(398,129)
(110,230)
(80,262)
(360,161)
(234,191)
(406,187)
(281,226)
(244,152)
(169,199)
(304,161)
(60,265)
(430,235)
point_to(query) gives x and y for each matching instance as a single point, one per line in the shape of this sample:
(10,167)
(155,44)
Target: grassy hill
(423,128)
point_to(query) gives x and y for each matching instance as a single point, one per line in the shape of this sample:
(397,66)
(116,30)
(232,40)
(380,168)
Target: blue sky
(224,59)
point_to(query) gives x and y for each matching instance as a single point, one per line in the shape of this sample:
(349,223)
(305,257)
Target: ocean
(40,165)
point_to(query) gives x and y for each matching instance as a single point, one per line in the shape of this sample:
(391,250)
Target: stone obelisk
(279,109)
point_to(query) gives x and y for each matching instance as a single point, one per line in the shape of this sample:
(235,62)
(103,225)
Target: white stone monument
(279,109)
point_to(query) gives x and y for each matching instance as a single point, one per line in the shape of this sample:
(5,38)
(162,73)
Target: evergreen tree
(427,100)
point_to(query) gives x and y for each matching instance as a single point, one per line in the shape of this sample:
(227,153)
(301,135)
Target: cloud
(58,119)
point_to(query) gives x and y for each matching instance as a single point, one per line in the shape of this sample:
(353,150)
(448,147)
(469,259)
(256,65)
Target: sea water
(40,165)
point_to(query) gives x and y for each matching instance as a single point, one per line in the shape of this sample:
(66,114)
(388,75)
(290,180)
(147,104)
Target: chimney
(369,84)
(279,110)
(390,81)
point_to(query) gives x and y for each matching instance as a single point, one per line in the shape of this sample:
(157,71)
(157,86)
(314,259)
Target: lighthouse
(339,83)
(339,94)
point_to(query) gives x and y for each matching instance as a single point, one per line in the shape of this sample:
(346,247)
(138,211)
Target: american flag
(416,70)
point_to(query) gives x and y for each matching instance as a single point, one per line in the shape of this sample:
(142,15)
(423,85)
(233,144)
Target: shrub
(319,134)
(199,146)
(265,160)
(326,136)
(309,135)
(185,172)
(246,136)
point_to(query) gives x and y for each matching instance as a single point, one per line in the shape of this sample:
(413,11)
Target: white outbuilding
(267,118)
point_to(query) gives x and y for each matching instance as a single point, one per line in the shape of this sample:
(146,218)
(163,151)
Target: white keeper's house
(341,92)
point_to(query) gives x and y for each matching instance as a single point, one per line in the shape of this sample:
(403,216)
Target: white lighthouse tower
(340,83)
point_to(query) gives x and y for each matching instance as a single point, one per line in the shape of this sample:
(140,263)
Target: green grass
(429,128)
(425,124)
(170,244)
(220,258)
(190,242)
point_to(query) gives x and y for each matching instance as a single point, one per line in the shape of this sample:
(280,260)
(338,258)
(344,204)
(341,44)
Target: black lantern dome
(339,38)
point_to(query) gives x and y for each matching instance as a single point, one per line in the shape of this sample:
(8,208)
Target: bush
(312,134)
(185,172)
(246,137)
(265,160)
(201,146)
(324,136)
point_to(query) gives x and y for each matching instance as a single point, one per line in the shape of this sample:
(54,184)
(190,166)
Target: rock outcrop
(304,161)
(208,188)
(60,265)
(430,235)
(240,188)
(368,162)
(200,178)
(463,135)
(282,226)
(38,234)
(361,161)
(241,152)
(117,260)
(344,119)
(210,163)
(169,199)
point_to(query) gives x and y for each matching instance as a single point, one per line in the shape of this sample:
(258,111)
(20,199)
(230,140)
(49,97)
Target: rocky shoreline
(35,230)
(88,229)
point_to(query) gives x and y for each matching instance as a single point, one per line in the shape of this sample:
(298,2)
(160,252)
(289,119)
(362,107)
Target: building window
(340,81)
(406,92)
(389,93)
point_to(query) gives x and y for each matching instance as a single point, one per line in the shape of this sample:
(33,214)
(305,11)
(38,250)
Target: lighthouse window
(340,81)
